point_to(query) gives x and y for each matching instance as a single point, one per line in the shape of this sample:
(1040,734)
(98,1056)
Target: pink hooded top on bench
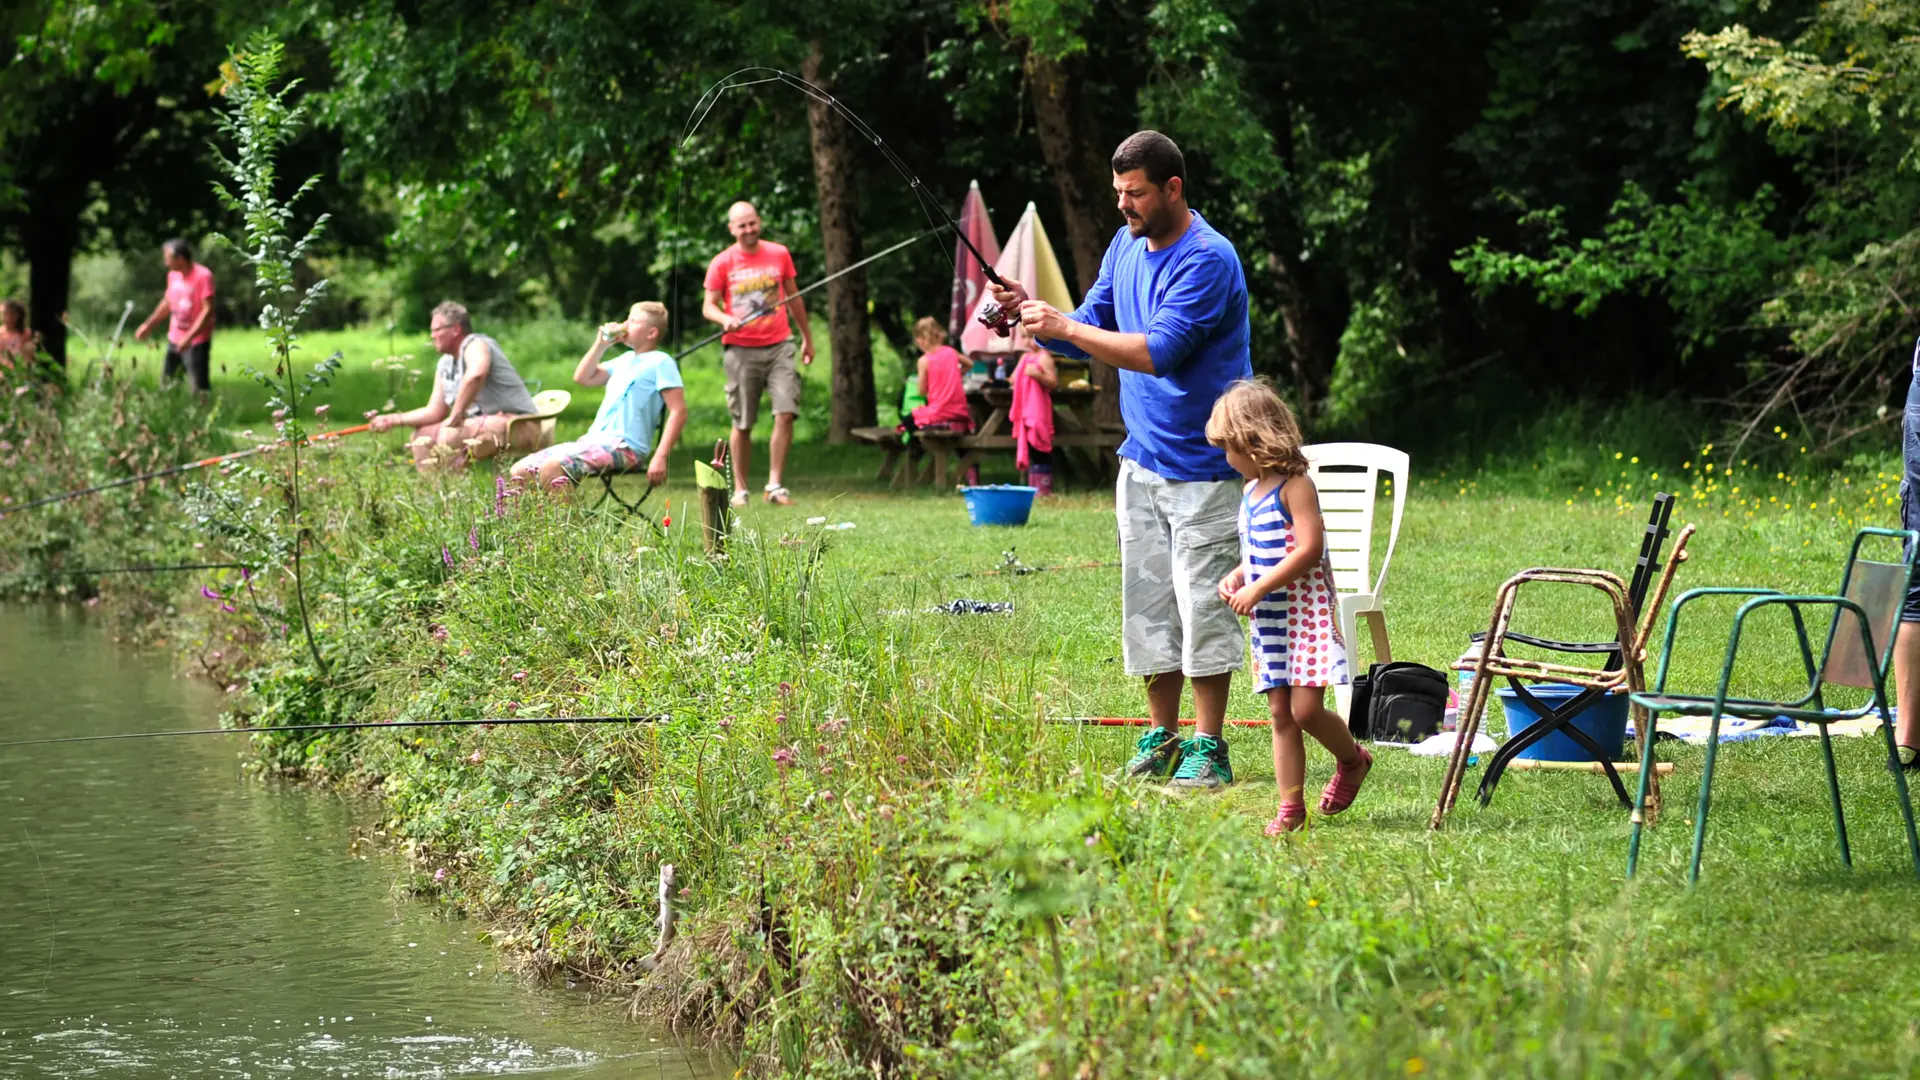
(1031,415)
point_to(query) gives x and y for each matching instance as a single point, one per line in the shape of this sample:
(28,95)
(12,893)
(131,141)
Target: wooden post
(716,515)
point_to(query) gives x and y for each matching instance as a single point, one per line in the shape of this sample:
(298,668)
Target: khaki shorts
(1178,538)
(751,369)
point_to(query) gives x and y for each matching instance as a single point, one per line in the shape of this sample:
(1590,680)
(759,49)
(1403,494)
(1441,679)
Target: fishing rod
(766,311)
(154,569)
(658,718)
(181,468)
(992,315)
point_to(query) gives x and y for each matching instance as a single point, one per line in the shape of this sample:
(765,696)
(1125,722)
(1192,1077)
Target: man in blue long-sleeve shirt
(1170,311)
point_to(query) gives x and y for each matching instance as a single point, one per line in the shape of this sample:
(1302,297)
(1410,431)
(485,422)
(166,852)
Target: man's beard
(1137,227)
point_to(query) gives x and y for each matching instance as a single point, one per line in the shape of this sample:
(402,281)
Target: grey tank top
(503,392)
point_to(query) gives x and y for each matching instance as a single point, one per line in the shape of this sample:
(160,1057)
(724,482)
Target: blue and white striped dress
(1295,629)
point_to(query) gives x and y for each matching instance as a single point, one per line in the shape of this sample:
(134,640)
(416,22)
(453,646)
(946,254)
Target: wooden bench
(950,453)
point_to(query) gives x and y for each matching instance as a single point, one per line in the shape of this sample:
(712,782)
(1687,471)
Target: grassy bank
(891,859)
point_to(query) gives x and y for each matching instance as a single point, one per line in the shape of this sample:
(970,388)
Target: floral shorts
(583,458)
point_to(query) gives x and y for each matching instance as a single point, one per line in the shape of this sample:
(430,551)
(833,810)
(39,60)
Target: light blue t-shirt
(1190,300)
(632,409)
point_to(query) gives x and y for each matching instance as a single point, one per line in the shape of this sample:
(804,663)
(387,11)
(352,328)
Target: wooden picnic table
(1080,444)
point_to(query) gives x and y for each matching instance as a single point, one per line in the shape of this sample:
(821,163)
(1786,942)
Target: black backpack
(1398,702)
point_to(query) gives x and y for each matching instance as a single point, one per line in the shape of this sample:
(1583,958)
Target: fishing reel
(998,319)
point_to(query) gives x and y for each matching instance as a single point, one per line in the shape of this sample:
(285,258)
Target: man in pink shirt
(189,302)
(751,277)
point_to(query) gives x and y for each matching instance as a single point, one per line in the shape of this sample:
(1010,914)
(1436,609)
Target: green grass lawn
(1508,943)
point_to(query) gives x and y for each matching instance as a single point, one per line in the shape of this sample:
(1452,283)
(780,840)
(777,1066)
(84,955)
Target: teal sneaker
(1203,764)
(1155,755)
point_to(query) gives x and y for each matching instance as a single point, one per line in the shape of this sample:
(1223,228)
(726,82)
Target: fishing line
(181,468)
(928,204)
(657,718)
(766,311)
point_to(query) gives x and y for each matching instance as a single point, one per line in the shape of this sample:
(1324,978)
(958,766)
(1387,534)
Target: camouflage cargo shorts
(1177,540)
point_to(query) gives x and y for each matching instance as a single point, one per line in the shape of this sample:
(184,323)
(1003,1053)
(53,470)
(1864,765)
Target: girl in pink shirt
(16,343)
(940,370)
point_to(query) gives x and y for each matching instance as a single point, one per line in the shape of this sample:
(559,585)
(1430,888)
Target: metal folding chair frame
(1810,707)
(632,508)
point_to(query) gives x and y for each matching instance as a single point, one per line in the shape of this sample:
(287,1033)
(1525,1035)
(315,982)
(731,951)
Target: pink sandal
(1345,785)
(1292,816)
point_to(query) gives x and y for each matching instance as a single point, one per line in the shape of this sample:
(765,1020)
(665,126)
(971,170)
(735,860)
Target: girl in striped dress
(1284,587)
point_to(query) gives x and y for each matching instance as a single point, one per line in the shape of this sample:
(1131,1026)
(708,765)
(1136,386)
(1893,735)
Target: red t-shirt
(187,294)
(946,394)
(746,283)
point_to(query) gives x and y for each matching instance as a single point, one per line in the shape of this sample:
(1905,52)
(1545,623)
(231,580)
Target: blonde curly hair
(1251,419)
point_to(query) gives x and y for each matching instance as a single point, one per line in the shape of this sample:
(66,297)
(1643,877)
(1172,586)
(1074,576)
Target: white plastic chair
(1348,476)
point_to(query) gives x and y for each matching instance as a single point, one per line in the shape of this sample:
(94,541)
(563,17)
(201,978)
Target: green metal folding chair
(1868,607)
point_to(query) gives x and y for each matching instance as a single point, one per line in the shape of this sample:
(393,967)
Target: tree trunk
(1078,165)
(853,394)
(49,235)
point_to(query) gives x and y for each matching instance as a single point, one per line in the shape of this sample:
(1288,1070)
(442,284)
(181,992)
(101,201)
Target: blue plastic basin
(999,504)
(1604,721)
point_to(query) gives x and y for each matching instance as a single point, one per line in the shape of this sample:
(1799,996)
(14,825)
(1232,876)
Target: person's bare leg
(422,445)
(1310,712)
(553,480)
(1906,683)
(1163,699)
(1210,702)
(777,447)
(1289,752)
(741,442)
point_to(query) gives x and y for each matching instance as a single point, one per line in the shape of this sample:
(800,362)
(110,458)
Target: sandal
(1292,816)
(1345,785)
(739,499)
(778,495)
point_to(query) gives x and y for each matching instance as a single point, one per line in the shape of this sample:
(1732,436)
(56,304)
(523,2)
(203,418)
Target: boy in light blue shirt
(643,387)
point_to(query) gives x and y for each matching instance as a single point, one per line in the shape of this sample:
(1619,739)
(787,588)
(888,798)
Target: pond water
(164,914)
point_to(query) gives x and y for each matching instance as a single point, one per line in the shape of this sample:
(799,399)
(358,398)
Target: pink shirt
(946,396)
(746,283)
(187,295)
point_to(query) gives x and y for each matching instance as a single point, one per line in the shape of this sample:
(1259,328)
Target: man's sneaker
(1155,755)
(1203,764)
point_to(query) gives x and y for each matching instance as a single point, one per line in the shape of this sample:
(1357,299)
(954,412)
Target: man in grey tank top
(476,393)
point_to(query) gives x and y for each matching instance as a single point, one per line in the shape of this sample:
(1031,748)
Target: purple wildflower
(783,757)
(207,591)
(786,690)
(826,770)
(499,496)
(519,676)
(321,410)
(473,538)
(246,573)
(726,722)
(440,875)
(826,796)
(439,632)
(228,608)
(446,556)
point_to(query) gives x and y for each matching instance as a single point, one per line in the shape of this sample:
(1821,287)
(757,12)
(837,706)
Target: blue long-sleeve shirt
(1190,300)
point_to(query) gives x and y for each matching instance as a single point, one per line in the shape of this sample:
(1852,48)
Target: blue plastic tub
(999,504)
(1604,721)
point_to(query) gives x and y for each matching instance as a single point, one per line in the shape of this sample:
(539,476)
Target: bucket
(999,504)
(1604,721)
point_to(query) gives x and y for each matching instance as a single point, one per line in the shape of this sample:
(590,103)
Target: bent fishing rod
(175,470)
(766,311)
(657,718)
(991,315)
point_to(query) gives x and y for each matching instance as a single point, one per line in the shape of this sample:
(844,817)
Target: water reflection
(163,915)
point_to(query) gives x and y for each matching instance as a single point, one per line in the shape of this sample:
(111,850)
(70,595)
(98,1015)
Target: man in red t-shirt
(751,277)
(189,302)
